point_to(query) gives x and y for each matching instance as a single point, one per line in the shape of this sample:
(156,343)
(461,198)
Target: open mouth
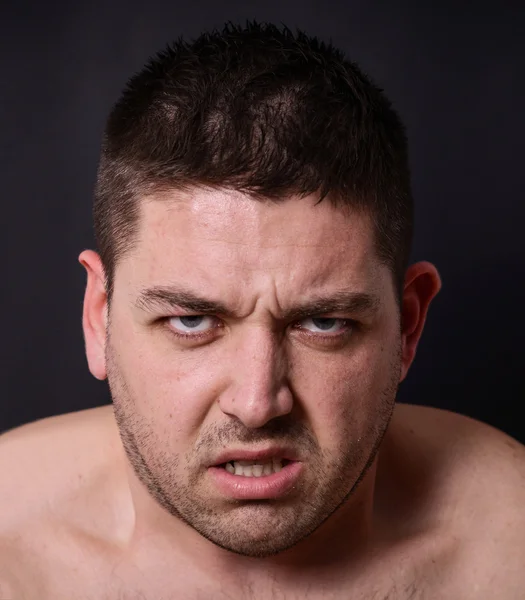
(255,468)
(261,478)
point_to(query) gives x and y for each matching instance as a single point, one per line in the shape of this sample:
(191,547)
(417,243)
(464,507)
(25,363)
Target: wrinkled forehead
(224,238)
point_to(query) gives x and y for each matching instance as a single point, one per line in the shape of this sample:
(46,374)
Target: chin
(258,547)
(256,530)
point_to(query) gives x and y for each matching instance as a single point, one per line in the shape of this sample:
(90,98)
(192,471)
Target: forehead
(224,238)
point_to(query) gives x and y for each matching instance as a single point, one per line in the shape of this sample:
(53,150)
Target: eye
(191,324)
(326,325)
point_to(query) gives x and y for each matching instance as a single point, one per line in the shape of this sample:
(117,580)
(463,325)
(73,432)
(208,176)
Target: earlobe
(94,317)
(422,283)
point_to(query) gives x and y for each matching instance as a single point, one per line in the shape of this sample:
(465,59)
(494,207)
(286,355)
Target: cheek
(166,386)
(345,395)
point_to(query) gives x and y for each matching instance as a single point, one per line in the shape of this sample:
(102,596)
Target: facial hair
(248,528)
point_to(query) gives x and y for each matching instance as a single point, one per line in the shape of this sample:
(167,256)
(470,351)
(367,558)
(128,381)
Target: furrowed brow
(165,298)
(351,303)
(161,297)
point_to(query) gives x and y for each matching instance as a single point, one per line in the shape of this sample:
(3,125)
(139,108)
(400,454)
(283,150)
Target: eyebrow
(166,297)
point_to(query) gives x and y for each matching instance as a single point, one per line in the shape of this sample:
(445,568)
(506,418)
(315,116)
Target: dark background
(454,70)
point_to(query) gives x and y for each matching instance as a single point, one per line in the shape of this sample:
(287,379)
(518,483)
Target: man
(254,312)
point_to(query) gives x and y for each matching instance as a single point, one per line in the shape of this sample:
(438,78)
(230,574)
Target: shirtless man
(254,312)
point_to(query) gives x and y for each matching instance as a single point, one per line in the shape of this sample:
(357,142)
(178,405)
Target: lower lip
(266,487)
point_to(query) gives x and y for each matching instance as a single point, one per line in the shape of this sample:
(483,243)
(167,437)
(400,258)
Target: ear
(94,317)
(422,283)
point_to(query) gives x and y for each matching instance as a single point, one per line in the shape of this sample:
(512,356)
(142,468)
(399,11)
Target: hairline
(160,192)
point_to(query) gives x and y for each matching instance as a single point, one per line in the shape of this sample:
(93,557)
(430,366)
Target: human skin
(258,378)
(438,513)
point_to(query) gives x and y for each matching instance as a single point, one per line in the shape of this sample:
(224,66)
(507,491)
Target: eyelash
(349,327)
(189,336)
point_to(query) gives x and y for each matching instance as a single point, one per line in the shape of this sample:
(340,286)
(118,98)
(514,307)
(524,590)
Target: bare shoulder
(472,476)
(40,461)
(48,469)
(475,453)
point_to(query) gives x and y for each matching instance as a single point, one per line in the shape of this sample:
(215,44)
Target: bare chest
(195,591)
(413,591)
(85,570)
(77,580)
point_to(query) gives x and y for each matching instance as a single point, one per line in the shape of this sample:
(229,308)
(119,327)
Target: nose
(258,390)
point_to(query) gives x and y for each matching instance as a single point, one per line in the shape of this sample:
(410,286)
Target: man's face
(241,326)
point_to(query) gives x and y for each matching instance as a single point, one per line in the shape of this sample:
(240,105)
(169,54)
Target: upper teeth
(251,468)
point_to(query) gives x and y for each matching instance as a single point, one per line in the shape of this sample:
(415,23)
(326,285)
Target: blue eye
(191,324)
(325,325)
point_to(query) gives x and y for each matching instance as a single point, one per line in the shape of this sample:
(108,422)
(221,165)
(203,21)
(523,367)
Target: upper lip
(262,454)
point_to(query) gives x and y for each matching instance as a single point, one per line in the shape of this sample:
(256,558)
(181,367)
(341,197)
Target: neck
(340,542)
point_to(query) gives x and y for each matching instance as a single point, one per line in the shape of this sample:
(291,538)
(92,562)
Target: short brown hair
(262,110)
